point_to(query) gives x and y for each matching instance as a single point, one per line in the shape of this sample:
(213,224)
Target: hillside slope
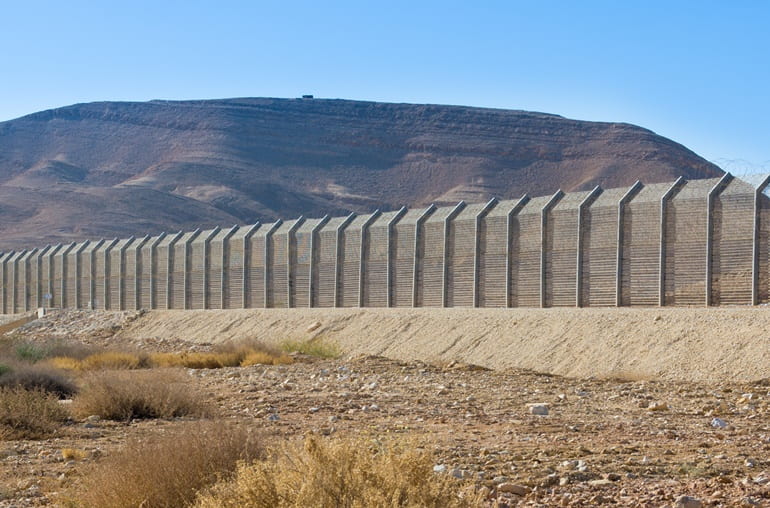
(116,169)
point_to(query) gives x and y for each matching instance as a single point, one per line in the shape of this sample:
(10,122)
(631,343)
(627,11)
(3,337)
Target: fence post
(445,258)
(508,240)
(628,196)
(544,241)
(416,260)
(389,280)
(662,255)
(716,189)
(206,243)
(122,272)
(361,256)
(311,262)
(579,253)
(755,241)
(337,263)
(224,274)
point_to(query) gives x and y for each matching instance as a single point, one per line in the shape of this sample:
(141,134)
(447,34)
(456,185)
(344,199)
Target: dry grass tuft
(73,454)
(195,360)
(29,414)
(340,473)
(263,358)
(168,471)
(317,347)
(100,361)
(128,394)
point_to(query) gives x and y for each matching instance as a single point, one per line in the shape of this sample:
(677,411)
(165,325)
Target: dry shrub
(112,360)
(29,414)
(39,378)
(168,471)
(340,473)
(195,360)
(65,363)
(317,347)
(73,454)
(262,358)
(127,394)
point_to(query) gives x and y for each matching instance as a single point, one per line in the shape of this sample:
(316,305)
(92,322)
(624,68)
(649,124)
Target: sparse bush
(196,360)
(5,369)
(112,360)
(73,454)
(30,351)
(262,358)
(39,378)
(28,414)
(127,394)
(318,347)
(340,473)
(168,471)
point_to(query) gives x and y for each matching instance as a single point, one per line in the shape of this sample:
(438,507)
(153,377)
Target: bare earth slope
(704,345)
(116,169)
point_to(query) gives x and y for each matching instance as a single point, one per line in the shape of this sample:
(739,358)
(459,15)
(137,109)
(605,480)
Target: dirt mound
(707,345)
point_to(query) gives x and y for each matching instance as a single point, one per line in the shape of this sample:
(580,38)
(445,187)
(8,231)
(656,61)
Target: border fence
(698,242)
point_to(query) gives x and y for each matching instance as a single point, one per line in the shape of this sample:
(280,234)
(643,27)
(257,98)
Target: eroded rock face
(115,169)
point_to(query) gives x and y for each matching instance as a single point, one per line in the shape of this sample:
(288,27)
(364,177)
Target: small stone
(439,468)
(613,477)
(718,423)
(313,326)
(657,406)
(688,502)
(333,418)
(93,418)
(273,418)
(601,483)
(750,463)
(538,409)
(500,479)
(313,410)
(513,488)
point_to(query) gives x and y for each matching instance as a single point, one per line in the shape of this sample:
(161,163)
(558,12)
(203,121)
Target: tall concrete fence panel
(683,243)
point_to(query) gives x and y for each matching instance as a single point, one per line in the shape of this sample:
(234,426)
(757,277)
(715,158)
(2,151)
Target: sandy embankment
(688,344)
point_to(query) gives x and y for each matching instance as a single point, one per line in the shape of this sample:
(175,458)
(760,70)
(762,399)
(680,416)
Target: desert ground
(638,407)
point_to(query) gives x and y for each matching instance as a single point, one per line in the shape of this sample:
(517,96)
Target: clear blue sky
(695,71)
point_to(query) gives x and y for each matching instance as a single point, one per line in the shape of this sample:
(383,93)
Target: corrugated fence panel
(403,259)
(217,270)
(376,283)
(430,286)
(732,244)
(281,287)
(525,254)
(304,240)
(130,262)
(686,225)
(58,276)
(494,255)
(462,249)
(763,248)
(600,248)
(197,271)
(326,264)
(234,282)
(640,281)
(561,251)
(258,264)
(349,283)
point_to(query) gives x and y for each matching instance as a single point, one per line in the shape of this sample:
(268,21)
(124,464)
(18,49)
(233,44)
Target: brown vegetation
(125,395)
(28,414)
(167,470)
(340,473)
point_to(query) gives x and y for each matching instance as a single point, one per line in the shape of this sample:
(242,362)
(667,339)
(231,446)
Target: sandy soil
(698,344)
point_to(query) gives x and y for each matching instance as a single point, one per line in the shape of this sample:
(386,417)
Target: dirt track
(703,344)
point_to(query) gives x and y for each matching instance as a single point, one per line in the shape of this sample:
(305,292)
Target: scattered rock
(538,409)
(513,488)
(688,502)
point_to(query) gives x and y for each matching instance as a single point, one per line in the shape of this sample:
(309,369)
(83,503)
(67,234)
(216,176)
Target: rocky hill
(116,168)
